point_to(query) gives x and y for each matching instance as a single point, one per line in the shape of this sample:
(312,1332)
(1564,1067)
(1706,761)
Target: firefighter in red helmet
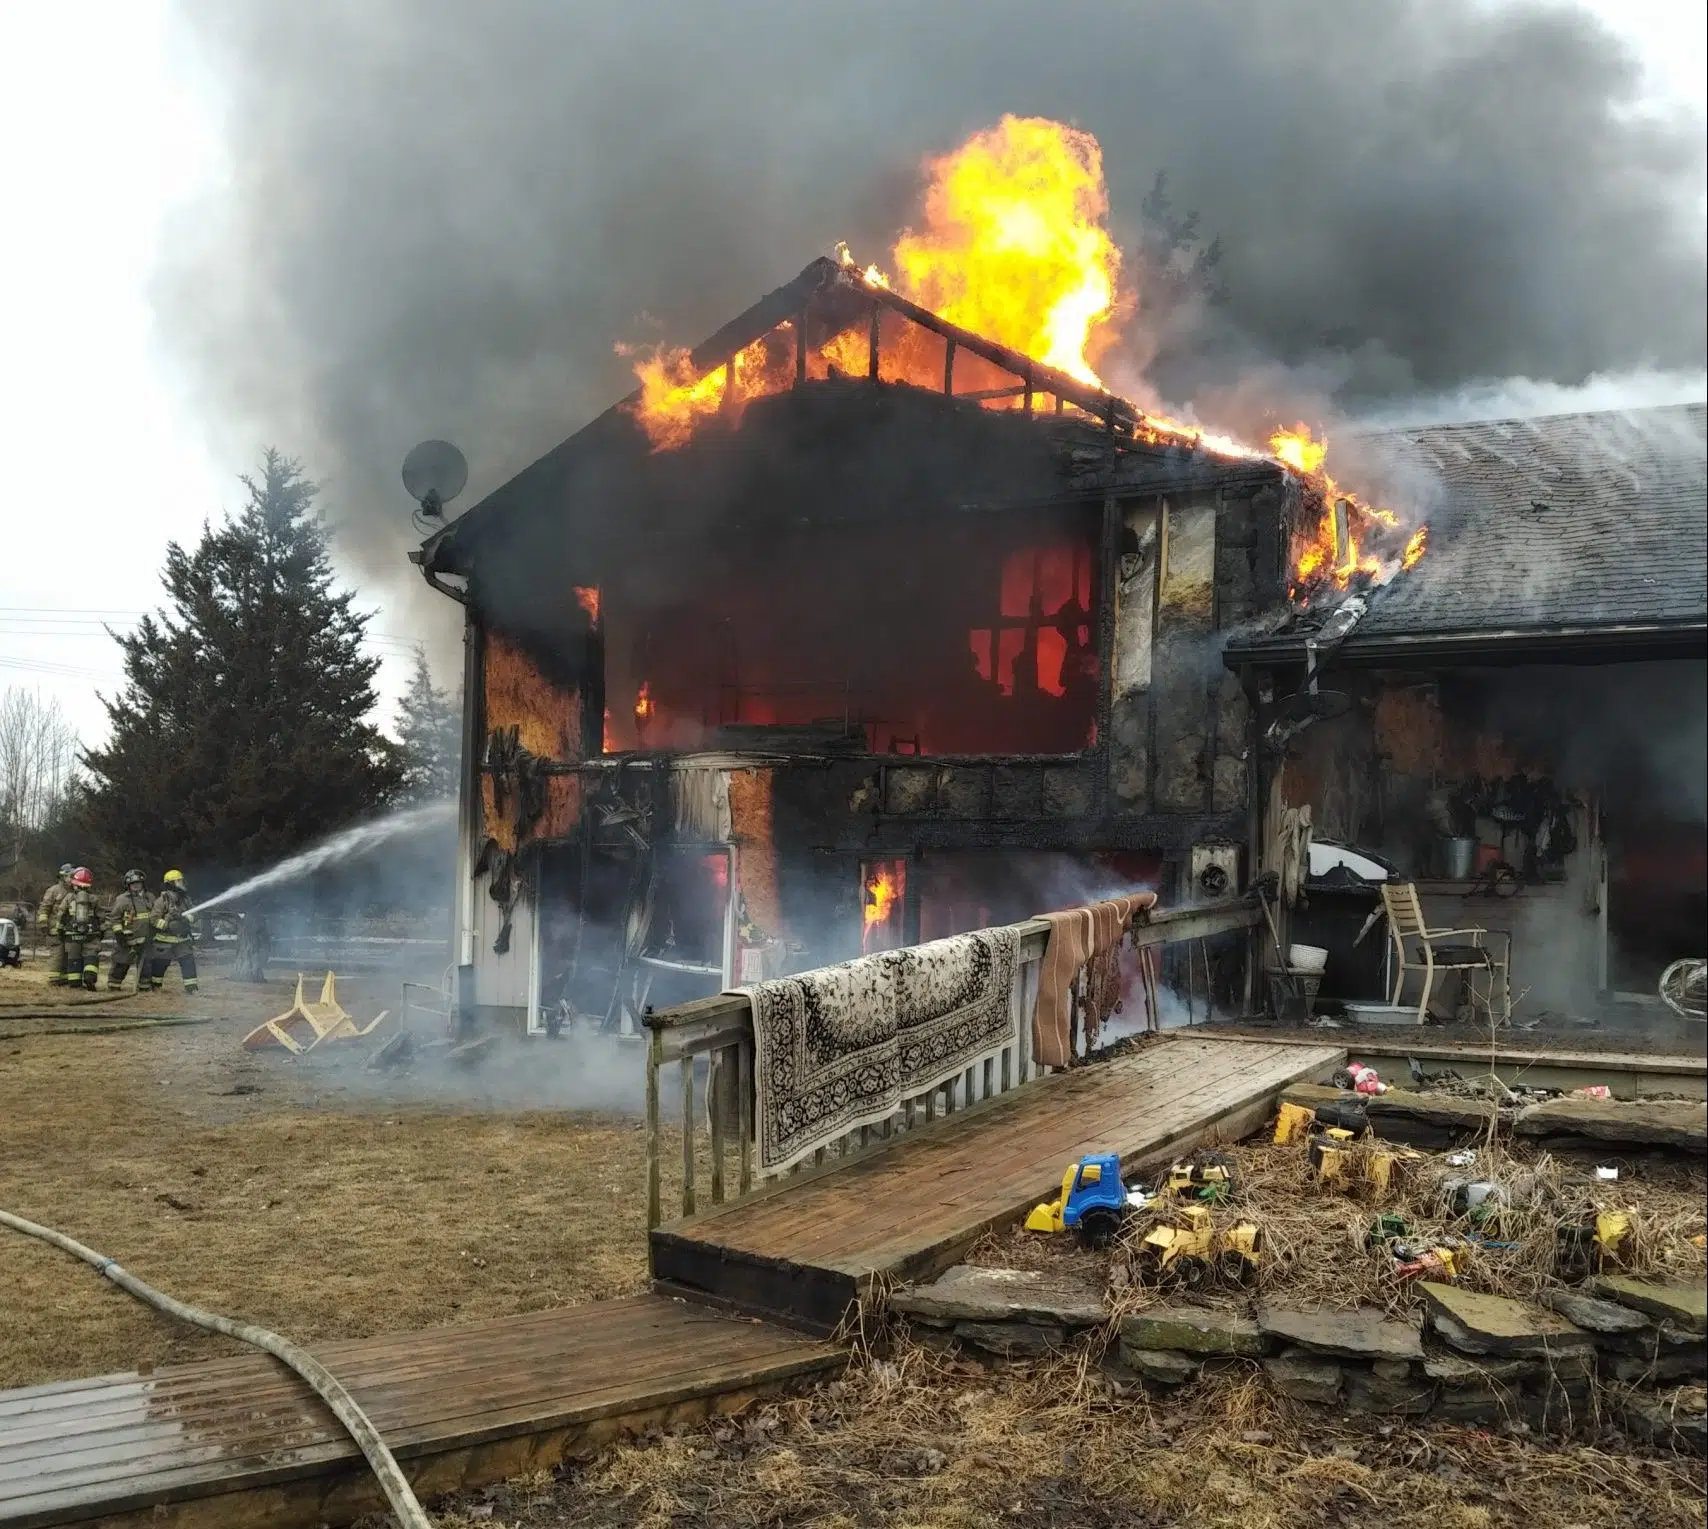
(77,925)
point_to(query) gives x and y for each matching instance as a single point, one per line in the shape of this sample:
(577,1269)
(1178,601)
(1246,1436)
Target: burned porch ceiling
(1585,531)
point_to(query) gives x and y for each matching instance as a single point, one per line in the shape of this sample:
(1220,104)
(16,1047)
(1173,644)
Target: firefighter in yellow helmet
(174,934)
(47,921)
(77,925)
(131,919)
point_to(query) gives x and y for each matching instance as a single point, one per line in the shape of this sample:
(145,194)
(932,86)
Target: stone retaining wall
(1475,1358)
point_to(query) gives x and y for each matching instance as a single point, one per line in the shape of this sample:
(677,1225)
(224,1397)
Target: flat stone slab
(1369,1392)
(1684,1306)
(1163,1366)
(971,1293)
(1671,1364)
(1490,1324)
(1456,1372)
(1304,1376)
(1620,1122)
(1606,1317)
(1356,1334)
(1459,1117)
(1192,1330)
(1011,1340)
(1662,1420)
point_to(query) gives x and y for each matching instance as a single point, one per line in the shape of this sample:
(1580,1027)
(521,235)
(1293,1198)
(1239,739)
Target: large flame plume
(1012,244)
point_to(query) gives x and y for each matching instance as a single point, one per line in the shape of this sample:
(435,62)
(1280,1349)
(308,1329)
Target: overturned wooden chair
(305,1025)
(1418,948)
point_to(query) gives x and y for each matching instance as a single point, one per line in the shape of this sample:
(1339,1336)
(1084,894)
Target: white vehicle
(11,951)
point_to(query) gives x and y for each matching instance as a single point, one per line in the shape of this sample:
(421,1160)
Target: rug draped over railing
(844,1046)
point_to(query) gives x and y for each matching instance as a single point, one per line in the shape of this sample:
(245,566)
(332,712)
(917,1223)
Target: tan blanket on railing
(842,1047)
(1085,940)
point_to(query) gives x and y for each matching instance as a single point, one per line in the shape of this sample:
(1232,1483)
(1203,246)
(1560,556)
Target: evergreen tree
(429,729)
(241,732)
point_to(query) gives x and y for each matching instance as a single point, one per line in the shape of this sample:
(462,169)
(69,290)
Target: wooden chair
(327,1020)
(1418,948)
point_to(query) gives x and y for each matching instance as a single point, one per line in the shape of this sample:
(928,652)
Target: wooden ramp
(226,1443)
(803,1249)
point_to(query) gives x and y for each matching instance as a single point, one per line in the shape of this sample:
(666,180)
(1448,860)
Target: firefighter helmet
(66,870)
(173,878)
(133,877)
(81,877)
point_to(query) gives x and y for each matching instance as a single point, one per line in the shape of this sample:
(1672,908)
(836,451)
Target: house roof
(1571,520)
(1570,527)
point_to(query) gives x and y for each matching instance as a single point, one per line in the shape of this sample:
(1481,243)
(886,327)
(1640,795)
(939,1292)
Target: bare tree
(38,766)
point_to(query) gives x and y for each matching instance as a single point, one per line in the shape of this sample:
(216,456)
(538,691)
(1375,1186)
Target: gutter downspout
(468,785)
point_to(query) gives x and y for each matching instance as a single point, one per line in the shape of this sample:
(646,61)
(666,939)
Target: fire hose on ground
(410,1513)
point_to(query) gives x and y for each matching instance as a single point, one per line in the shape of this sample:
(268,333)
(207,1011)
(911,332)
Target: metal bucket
(1458,858)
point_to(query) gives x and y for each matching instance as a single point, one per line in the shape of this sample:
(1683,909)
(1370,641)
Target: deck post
(1028,990)
(715,1074)
(744,1109)
(654,1054)
(687,1135)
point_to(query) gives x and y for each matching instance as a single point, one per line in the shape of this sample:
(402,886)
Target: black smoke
(440,215)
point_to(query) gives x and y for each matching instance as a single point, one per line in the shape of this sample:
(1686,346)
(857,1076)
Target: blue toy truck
(1092,1203)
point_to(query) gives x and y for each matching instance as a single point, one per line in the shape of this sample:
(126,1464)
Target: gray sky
(129,142)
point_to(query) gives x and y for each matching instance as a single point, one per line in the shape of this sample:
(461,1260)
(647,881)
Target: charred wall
(1191,566)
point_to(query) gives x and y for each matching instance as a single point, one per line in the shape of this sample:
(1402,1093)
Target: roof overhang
(1493,647)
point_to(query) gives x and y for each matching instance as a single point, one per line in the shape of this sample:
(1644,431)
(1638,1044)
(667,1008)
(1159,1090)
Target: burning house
(878,617)
(853,628)
(1517,724)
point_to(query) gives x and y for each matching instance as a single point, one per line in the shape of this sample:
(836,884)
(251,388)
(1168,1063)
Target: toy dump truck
(1092,1204)
(1191,1252)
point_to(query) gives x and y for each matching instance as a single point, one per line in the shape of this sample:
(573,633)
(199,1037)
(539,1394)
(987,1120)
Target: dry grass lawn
(919,1441)
(306,1195)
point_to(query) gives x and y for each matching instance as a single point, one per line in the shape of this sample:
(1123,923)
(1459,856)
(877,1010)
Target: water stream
(352,841)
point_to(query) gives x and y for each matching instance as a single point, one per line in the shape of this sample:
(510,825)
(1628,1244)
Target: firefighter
(132,922)
(78,927)
(47,920)
(174,934)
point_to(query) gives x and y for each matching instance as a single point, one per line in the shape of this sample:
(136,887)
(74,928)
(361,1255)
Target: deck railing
(720,1030)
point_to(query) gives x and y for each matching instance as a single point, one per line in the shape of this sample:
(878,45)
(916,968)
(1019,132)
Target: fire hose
(410,1513)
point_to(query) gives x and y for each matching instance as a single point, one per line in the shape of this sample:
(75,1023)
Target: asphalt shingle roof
(1572,520)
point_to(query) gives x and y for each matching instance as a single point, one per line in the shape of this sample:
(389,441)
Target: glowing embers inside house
(970,634)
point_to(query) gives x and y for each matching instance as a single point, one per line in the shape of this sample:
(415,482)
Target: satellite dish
(435,472)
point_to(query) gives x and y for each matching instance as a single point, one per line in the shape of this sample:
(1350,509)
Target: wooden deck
(226,1443)
(803,1249)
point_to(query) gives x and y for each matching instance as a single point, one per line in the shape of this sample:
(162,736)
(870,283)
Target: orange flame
(643,704)
(1013,245)
(587,597)
(675,400)
(882,889)
(1350,537)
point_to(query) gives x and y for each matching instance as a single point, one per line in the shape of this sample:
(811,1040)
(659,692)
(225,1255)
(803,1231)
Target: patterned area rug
(843,1046)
